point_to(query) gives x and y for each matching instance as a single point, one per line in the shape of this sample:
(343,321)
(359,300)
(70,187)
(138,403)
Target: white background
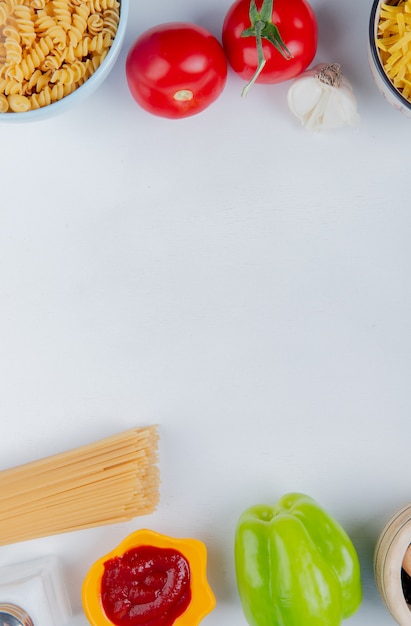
(233,278)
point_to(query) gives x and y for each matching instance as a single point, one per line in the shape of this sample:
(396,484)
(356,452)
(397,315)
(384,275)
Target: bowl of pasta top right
(389,51)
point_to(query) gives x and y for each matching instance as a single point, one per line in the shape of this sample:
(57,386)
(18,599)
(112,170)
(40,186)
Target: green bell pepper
(295,565)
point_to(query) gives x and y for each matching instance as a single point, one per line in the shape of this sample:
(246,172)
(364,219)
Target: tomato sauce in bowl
(146,585)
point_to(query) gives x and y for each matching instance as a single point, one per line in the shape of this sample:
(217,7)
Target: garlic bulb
(323,99)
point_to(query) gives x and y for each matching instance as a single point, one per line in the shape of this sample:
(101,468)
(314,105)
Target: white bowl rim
(376,57)
(85,89)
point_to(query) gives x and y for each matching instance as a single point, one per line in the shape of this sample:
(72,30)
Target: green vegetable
(295,565)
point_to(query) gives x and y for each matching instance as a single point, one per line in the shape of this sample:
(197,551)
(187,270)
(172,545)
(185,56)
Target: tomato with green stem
(176,69)
(271,42)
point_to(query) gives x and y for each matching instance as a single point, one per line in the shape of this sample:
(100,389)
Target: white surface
(231,277)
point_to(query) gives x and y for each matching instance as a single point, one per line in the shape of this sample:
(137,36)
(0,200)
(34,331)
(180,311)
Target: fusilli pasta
(48,48)
(24,22)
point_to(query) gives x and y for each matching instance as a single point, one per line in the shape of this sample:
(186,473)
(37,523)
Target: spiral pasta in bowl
(55,52)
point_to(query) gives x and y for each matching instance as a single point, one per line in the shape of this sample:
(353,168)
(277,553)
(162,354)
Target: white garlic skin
(323,99)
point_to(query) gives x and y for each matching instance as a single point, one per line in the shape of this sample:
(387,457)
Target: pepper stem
(262,27)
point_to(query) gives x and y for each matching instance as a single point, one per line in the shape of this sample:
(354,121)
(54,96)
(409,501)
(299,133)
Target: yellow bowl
(202,598)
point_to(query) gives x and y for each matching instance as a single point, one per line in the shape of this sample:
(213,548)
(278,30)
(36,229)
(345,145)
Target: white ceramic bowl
(86,89)
(385,86)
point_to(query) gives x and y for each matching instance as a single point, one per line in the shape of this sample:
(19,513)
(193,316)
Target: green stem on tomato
(261,60)
(262,27)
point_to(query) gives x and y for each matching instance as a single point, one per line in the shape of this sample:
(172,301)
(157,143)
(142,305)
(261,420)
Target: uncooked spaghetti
(108,481)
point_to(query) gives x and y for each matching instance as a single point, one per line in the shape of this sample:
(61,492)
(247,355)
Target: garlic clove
(322,99)
(304,96)
(340,109)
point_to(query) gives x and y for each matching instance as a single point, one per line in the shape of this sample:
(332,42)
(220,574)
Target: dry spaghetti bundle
(108,481)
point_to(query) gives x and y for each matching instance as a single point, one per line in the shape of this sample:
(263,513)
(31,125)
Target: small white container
(34,592)
(390,551)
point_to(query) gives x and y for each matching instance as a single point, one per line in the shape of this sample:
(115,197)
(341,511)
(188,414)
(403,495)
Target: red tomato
(175,70)
(297,26)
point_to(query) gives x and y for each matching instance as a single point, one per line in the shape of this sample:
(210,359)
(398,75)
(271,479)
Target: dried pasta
(108,481)
(48,48)
(394,44)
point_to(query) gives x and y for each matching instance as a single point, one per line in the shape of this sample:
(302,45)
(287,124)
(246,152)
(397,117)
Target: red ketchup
(146,586)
